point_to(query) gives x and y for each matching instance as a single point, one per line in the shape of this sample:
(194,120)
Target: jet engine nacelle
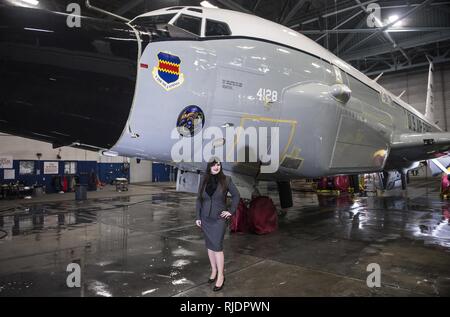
(65,85)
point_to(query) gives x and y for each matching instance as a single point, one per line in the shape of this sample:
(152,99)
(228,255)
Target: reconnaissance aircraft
(123,87)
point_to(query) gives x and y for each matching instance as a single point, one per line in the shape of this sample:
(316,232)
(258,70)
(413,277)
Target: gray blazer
(212,207)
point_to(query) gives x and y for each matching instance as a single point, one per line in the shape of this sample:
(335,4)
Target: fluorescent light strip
(32,2)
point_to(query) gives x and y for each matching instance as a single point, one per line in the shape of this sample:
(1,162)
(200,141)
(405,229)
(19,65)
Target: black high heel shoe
(212,280)
(218,288)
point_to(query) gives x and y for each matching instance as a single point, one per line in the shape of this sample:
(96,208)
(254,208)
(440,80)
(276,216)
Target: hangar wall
(415,83)
(107,168)
(81,163)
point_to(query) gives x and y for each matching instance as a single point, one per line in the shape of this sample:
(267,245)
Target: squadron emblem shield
(167,73)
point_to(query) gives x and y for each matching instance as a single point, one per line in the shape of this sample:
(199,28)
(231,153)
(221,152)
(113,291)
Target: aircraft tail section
(429,107)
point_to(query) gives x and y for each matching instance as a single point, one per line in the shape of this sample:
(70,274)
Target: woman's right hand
(198,223)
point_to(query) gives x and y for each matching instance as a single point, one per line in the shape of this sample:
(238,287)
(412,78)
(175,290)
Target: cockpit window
(195,10)
(189,23)
(216,28)
(154,20)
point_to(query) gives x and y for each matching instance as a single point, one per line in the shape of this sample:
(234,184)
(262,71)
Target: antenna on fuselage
(378,77)
(401,94)
(90,6)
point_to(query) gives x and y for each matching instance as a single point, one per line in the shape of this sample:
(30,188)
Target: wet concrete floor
(148,245)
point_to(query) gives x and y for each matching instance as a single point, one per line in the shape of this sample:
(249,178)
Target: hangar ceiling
(373,35)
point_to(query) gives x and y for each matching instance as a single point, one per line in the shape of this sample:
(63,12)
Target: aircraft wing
(413,147)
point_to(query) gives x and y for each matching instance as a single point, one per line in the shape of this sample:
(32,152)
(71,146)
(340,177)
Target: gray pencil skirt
(214,232)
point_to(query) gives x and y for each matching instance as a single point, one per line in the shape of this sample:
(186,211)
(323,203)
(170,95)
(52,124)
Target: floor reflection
(148,245)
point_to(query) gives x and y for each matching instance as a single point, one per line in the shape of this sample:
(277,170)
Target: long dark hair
(221,177)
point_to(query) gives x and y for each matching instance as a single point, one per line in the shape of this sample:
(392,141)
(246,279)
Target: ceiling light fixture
(32,2)
(394,18)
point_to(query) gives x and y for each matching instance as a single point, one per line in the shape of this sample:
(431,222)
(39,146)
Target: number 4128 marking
(267,95)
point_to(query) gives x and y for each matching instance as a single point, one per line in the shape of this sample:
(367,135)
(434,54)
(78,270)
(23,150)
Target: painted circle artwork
(190,121)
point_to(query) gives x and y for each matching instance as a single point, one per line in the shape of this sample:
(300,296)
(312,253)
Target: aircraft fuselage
(83,86)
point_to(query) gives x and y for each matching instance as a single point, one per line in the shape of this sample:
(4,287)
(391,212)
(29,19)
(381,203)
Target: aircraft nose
(64,84)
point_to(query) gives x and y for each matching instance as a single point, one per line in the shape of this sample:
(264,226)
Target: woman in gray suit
(212,214)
